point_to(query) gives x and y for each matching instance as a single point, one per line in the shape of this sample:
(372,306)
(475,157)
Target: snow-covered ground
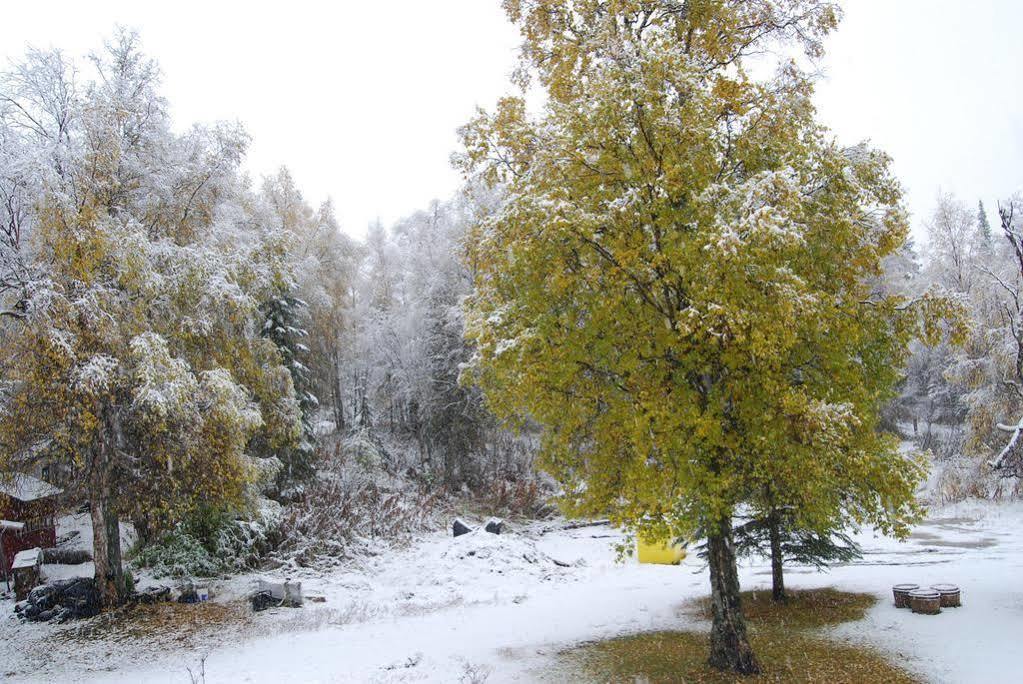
(448,609)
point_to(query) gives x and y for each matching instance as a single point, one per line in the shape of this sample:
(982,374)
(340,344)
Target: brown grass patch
(783,637)
(170,624)
(804,609)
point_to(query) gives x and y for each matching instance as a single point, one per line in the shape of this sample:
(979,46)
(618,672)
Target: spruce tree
(983,226)
(284,326)
(778,537)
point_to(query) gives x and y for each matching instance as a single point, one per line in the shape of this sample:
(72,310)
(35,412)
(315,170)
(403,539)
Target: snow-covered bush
(179,554)
(210,543)
(962,477)
(349,503)
(530,497)
(365,451)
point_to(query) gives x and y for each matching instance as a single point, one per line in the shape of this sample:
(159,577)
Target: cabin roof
(27,488)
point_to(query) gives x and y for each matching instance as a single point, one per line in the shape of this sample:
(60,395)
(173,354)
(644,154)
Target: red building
(27,508)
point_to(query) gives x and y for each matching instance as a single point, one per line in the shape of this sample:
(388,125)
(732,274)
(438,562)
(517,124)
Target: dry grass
(803,610)
(165,624)
(783,637)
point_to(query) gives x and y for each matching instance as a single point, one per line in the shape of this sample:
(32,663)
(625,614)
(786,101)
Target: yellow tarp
(660,553)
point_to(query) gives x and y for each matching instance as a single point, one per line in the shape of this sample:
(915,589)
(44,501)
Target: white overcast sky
(361,99)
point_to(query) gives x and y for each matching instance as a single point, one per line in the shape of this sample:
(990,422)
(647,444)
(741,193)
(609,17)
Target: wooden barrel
(949,595)
(901,592)
(925,601)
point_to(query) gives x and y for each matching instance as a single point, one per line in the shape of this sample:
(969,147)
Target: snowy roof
(27,558)
(27,488)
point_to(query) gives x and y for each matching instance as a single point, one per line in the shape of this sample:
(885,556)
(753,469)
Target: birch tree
(679,288)
(138,360)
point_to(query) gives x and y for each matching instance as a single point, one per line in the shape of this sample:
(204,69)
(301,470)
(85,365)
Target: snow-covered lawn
(447,609)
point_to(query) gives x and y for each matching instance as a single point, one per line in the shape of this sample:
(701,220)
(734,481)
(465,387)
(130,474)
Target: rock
(494,526)
(275,594)
(286,593)
(459,528)
(43,597)
(293,594)
(275,589)
(81,598)
(62,600)
(261,600)
(152,595)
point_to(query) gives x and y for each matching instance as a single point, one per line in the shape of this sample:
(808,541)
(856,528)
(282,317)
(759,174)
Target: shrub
(210,542)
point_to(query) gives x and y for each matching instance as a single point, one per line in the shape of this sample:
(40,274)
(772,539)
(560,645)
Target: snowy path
(448,609)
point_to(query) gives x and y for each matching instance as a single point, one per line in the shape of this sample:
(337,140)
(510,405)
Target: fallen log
(576,526)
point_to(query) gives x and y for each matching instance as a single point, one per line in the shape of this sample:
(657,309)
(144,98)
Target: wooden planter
(926,601)
(949,595)
(901,592)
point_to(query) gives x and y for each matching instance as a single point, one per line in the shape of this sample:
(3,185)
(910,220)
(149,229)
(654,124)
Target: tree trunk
(336,394)
(106,532)
(729,646)
(106,551)
(143,530)
(777,559)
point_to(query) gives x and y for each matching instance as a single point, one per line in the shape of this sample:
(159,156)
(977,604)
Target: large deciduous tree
(681,285)
(137,356)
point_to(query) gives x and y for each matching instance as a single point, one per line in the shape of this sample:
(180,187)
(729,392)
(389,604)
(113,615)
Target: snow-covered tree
(139,359)
(983,225)
(953,245)
(996,401)
(326,267)
(679,288)
(405,347)
(305,316)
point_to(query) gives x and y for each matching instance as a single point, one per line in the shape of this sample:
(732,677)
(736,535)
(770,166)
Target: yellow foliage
(679,287)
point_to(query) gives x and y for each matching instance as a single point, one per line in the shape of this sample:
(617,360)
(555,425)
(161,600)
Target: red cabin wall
(44,536)
(15,542)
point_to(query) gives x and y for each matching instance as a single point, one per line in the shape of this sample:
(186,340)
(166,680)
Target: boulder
(43,596)
(261,600)
(286,593)
(459,528)
(61,600)
(80,598)
(494,526)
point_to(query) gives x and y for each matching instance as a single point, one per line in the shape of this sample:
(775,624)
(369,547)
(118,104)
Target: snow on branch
(999,461)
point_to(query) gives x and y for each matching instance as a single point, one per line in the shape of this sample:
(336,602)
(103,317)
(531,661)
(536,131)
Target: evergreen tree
(285,317)
(983,226)
(777,536)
